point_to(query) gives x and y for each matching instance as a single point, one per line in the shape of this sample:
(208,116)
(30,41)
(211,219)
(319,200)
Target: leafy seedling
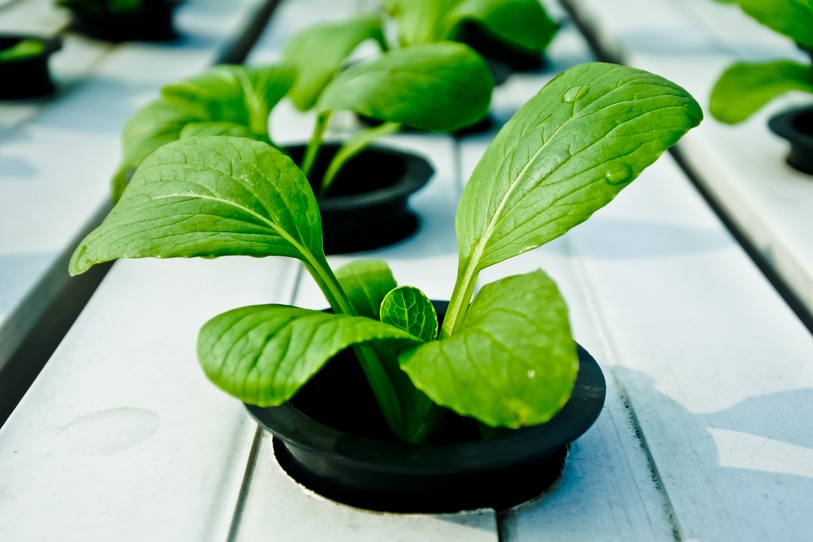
(523,25)
(440,87)
(746,87)
(504,356)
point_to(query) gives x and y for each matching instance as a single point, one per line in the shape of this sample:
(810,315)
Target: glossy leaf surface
(565,154)
(512,363)
(210,196)
(442,86)
(263,354)
(744,88)
(318,52)
(407,308)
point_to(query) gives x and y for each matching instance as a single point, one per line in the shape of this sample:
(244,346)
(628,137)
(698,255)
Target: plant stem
(459,302)
(352,147)
(315,144)
(380,382)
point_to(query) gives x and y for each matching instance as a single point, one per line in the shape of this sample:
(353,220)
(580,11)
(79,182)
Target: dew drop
(531,373)
(619,174)
(574,93)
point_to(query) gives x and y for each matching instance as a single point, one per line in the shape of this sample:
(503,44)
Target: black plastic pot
(796,126)
(502,58)
(333,439)
(26,77)
(151,22)
(366,207)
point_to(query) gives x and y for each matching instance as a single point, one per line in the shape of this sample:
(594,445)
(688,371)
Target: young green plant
(435,87)
(745,87)
(505,356)
(523,25)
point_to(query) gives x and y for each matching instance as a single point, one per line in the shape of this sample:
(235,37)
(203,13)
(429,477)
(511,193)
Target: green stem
(459,302)
(315,144)
(380,382)
(352,147)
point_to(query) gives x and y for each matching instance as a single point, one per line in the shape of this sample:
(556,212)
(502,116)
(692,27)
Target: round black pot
(26,77)
(333,439)
(152,22)
(796,126)
(366,207)
(502,58)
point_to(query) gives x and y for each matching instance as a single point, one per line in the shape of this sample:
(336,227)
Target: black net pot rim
(416,175)
(796,126)
(367,207)
(488,472)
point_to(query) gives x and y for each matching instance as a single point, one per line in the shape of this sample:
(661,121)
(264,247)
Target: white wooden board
(743,167)
(122,437)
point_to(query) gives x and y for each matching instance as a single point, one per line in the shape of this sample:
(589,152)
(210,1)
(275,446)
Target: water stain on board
(108,431)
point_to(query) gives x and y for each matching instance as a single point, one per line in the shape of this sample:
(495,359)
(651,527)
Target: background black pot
(502,58)
(151,22)
(28,76)
(366,207)
(796,126)
(332,438)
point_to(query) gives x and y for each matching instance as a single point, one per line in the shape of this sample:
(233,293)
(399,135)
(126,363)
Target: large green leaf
(366,283)
(210,196)
(793,18)
(513,361)
(523,24)
(744,88)
(318,52)
(263,354)
(207,129)
(442,86)
(408,308)
(565,154)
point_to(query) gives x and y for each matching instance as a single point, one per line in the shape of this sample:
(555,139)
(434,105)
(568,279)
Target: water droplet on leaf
(619,174)
(531,373)
(574,93)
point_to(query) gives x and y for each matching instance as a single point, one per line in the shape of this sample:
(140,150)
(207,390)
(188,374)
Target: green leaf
(263,354)
(210,196)
(154,125)
(366,283)
(792,18)
(442,86)
(408,308)
(239,94)
(513,363)
(233,94)
(318,52)
(744,88)
(565,154)
(22,49)
(421,21)
(523,24)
